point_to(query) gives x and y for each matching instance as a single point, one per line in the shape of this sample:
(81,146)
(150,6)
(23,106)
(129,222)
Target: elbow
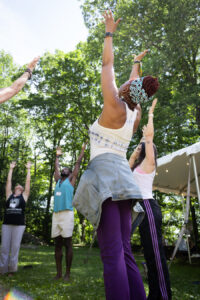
(107,63)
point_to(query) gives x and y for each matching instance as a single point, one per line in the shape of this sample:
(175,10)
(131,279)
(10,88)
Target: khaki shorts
(62,223)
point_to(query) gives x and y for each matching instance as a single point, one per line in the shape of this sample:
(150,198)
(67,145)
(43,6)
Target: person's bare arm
(108,84)
(76,169)
(135,73)
(9,180)
(138,118)
(133,157)
(26,192)
(9,92)
(148,133)
(57,167)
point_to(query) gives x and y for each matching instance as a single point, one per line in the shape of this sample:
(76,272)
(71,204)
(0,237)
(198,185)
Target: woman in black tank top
(14,221)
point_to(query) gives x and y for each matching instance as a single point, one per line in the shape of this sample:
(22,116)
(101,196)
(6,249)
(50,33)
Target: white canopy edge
(173,191)
(193,149)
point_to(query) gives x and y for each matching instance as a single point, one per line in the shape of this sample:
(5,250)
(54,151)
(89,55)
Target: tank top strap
(130,116)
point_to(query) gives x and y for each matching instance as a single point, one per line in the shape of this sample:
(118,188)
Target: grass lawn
(86,278)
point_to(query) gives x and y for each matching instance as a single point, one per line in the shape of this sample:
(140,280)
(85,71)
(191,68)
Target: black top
(14,212)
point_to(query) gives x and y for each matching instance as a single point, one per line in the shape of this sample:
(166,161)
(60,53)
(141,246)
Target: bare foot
(57,277)
(66,277)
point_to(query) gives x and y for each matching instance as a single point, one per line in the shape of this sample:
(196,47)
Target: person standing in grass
(143,165)
(8,92)
(14,221)
(63,214)
(107,191)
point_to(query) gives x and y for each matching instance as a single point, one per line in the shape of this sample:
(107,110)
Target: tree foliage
(64,98)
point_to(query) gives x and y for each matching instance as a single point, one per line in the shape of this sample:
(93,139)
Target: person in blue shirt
(63,214)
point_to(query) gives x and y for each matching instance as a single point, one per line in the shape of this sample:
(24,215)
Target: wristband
(150,115)
(137,62)
(58,156)
(108,34)
(28,71)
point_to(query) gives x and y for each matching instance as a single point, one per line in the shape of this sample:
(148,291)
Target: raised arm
(134,156)
(26,192)
(76,169)
(135,73)
(148,133)
(109,88)
(9,92)
(57,167)
(9,180)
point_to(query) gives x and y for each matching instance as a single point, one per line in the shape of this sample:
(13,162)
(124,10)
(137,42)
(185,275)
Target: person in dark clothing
(14,221)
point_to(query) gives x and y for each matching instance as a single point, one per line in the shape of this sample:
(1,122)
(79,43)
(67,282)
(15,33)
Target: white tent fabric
(177,173)
(172,171)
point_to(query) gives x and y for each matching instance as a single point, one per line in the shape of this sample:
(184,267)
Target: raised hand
(33,63)
(148,130)
(58,151)
(28,165)
(153,105)
(141,55)
(111,25)
(84,145)
(13,165)
(83,149)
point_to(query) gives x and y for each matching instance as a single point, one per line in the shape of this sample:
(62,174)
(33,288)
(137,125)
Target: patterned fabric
(15,209)
(137,93)
(107,140)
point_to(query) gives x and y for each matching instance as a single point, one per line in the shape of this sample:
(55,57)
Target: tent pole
(188,248)
(177,244)
(187,207)
(196,179)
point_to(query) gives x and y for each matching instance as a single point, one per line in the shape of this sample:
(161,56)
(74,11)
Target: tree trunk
(47,215)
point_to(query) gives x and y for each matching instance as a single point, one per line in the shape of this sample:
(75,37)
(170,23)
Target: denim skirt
(107,176)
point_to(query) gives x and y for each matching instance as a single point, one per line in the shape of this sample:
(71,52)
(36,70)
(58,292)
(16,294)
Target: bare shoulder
(113,116)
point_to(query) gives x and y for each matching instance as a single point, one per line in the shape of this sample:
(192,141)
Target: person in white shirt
(107,191)
(143,165)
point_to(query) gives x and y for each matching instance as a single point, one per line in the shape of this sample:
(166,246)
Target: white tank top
(107,140)
(144,182)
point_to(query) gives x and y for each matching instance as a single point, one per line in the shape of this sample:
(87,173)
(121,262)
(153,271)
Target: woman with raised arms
(107,191)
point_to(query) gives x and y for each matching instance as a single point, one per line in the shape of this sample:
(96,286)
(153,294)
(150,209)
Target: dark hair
(124,93)
(70,170)
(150,85)
(142,156)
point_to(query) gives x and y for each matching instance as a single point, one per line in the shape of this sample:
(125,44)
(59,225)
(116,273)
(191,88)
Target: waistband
(108,157)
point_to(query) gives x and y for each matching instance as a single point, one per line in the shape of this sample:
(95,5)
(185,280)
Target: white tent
(172,171)
(179,173)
